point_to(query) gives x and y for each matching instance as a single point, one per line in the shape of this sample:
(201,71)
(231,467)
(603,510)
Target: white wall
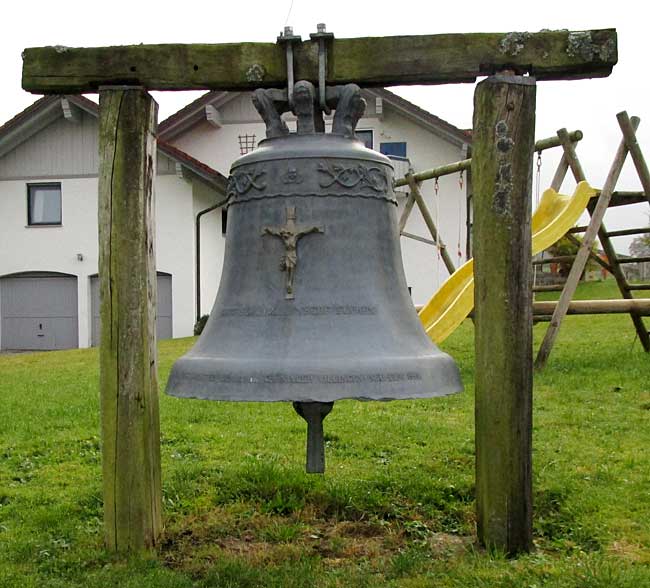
(212,245)
(175,247)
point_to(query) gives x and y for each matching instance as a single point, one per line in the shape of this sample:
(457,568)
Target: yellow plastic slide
(451,304)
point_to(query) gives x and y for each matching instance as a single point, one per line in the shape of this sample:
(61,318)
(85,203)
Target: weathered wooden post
(127,274)
(503,147)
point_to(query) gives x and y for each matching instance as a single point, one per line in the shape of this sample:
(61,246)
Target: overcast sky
(589,105)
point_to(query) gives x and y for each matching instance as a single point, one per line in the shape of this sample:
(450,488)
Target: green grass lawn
(395,508)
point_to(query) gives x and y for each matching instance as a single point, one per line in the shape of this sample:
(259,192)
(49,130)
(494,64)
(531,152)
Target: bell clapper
(314,413)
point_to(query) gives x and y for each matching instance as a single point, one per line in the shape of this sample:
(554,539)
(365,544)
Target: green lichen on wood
(368,61)
(504,126)
(128,380)
(580,44)
(513,43)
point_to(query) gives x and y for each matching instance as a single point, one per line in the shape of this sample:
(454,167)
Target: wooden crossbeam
(622,232)
(644,259)
(638,305)
(367,61)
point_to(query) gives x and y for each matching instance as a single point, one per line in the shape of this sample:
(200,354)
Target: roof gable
(194,112)
(49,109)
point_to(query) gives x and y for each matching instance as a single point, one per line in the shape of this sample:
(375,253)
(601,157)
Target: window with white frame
(43,204)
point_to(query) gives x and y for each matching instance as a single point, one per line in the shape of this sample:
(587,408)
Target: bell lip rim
(449,391)
(442,377)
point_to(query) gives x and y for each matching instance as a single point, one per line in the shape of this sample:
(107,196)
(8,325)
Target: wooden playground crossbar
(465,164)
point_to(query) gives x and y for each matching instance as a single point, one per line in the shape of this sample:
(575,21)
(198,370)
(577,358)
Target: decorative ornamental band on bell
(313,305)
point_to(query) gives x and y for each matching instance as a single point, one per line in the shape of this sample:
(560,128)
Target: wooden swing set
(606,197)
(501,168)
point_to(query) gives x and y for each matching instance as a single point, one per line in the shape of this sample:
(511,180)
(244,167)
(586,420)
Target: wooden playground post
(127,270)
(629,132)
(504,139)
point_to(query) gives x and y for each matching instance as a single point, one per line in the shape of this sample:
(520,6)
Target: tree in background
(565,247)
(640,246)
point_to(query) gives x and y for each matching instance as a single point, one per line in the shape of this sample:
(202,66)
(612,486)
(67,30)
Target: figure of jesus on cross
(290,235)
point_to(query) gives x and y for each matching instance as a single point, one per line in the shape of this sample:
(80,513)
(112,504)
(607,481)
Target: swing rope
(436,190)
(459,251)
(538,180)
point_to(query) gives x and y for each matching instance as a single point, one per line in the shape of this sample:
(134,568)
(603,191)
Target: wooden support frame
(504,123)
(127,276)
(595,228)
(428,219)
(414,182)
(128,381)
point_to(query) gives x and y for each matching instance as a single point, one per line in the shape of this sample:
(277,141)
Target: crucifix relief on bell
(313,305)
(290,234)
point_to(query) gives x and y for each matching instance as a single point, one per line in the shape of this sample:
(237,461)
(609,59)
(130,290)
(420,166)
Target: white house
(48,232)
(48,208)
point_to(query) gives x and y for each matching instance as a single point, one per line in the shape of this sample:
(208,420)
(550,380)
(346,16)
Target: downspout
(198,252)
(466,152)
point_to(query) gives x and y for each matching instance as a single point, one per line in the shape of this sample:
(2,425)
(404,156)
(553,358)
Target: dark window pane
(395,149)
(44,205)
(365,137)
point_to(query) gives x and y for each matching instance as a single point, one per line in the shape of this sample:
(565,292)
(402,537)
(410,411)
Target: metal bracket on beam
(287,38)
(323,39)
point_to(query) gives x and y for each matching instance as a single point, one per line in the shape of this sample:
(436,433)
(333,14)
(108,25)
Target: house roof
(194,111)
(198,167)
(191,113)
(46,109)
(435,123)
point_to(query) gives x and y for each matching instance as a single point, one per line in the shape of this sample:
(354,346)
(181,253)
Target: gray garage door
(38,311)
(163,308)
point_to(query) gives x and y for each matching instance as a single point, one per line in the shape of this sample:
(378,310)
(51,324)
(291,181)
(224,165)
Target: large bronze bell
(313,304)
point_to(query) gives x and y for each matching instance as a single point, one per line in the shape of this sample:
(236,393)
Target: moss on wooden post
(127,274)
(504,128)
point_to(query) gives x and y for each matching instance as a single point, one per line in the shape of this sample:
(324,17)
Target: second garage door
(164,308)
